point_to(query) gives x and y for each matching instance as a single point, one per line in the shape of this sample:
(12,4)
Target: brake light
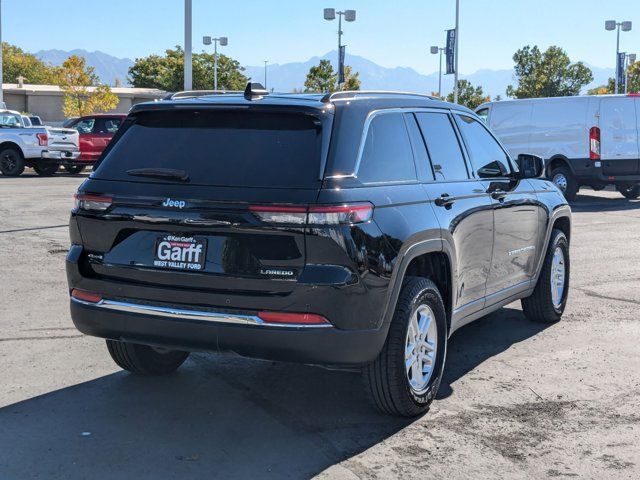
(94,203)
(348,214)
(293,318)
(43,139)
(594,143)
(85,296)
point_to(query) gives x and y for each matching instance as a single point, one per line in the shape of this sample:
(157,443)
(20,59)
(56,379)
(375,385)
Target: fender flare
(405,256)
(10,144)
(560,211)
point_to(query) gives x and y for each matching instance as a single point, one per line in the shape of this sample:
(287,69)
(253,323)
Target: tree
(15,63)
(468,95)
(323,79)
(633,82)
(167,72)
(548,74)
(82,92)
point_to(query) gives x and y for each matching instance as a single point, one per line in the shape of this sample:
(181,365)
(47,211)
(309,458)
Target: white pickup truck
(42,148)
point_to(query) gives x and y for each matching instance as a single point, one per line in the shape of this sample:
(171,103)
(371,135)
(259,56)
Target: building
(46,100)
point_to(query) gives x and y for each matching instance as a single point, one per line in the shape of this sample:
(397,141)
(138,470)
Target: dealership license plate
(180,252)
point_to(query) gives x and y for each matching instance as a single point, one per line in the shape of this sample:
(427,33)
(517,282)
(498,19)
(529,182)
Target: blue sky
(396,33)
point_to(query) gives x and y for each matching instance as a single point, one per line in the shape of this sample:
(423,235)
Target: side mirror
(530,166)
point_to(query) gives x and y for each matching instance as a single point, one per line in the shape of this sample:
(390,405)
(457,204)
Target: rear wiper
(162,173)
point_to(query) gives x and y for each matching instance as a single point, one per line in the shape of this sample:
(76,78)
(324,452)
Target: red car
(96,131)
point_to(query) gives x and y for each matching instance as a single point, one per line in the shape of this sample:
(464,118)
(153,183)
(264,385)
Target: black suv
(352,229)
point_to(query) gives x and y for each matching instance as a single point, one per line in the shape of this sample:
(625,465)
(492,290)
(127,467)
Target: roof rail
(197,93)
(354,93)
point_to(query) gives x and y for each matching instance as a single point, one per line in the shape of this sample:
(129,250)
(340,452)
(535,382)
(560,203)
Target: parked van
(585,140)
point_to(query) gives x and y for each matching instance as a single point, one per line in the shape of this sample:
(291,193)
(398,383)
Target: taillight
(348,214)
(85,296)
(94,203)
(594,143)
(293,318)
(43,139)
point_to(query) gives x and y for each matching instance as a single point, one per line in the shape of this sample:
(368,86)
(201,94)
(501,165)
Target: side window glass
(487,156)
(483,114)
(423,166)
(443,147)
(112,124)
(387,155)
(85,126)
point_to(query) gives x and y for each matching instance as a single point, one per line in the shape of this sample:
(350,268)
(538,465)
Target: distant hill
(286,77)
(107,67)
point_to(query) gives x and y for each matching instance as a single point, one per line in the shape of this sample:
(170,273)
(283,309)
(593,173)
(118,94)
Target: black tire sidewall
(431,298)
(73,169)
(559,240)
(631,192)
(47,169)
(19,168)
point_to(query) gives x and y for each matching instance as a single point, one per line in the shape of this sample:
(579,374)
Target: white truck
(591,140)
(42,148)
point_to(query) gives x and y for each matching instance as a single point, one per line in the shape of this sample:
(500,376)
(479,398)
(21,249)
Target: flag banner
(450,51)
(620,73)
(341,64)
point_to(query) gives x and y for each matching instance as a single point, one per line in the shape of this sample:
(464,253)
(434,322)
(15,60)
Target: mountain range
(288,76)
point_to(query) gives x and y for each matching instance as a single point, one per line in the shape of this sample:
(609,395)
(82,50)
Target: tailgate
(63,139)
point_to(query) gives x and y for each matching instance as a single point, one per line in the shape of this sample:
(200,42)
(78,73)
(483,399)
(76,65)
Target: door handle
(498,195)
(445,200)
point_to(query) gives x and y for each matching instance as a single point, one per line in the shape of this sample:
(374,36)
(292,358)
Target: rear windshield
(226,148)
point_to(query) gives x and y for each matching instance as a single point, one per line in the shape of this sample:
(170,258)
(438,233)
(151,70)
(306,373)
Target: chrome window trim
(187,314)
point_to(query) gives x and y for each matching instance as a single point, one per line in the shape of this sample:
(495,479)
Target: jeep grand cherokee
(357,229)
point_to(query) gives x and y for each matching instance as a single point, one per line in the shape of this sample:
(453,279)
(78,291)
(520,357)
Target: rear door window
(443,147)
(487,156)
(387,154)
(223,148)
(107,125)
(85,126)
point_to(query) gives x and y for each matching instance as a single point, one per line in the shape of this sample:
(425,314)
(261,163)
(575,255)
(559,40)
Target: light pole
(455,54)
(349,16)
(188,66)
(613,25)
(435,50)
(265,74)
(223,42)
(630,58)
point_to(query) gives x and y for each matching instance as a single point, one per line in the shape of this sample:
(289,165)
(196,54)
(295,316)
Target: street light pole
(188,65)
(265,74)
(349,16)
(455,54)
(224,41)
(435,50)
(625,27)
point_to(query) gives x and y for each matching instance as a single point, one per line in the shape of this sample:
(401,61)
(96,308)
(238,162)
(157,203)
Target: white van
(585,140)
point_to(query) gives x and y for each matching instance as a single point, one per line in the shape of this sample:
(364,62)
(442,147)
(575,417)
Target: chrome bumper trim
(186,314)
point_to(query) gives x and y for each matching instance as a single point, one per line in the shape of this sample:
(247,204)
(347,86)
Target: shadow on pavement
(219,417)
(586,202)
(474,343)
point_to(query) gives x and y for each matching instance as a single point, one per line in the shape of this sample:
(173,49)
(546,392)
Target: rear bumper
(61,155)
(590,172)
(226,331)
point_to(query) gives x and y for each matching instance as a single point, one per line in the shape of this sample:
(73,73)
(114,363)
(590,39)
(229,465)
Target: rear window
(226,148)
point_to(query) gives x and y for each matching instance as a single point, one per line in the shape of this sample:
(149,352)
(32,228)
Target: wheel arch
(558,161)
(431,259)
(9,144)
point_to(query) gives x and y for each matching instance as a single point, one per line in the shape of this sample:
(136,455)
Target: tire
(386,378)
(74,169)
(11,162)
(542,305)
(145,360)
(597,188)
(46,169)
(630,191)
(564,180)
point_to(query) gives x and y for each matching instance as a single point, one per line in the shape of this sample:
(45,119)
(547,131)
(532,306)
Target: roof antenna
(255,91)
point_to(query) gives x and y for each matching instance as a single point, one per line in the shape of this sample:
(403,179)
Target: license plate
(180,253)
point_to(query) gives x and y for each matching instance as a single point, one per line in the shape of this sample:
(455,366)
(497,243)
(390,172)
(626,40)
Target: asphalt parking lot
(519,400)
